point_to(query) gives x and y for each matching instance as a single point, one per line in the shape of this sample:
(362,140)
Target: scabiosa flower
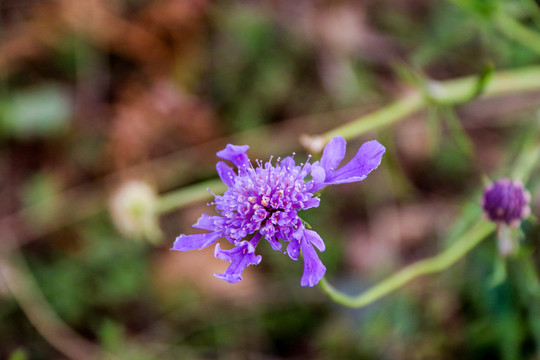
(264,201)
(506,203)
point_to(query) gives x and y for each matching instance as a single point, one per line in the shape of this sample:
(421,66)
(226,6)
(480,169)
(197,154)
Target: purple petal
(317,174)
(311,203)
(268,230)
(274,243)
(298,234)
(207,222)
(315,239)
(313,267)
(293,249)
(306,169)
(242,255)
(333,153)
(195,241)
(242,249)
(229,276)
(235,154)
(255,240)
(366,159)
(226,173)
(287,163)
(226,255)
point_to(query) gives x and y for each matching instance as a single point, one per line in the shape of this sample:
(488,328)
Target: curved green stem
(449,92)
(435,264)
(523,166)
(383,117)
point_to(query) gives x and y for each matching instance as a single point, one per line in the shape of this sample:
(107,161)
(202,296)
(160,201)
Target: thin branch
(22,285)
(189,195)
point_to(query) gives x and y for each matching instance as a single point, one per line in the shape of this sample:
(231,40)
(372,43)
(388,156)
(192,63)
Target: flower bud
(506,202)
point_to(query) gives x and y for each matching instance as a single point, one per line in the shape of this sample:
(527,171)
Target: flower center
(265,198)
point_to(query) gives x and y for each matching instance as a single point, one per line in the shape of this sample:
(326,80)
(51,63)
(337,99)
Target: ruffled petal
(274,243)
(229,276)
(242,255)
(195,241)
(235,154)
(314,269)
(207,222)
(227,255)
(366,159)
(293,249)
(333,153)
(311,203)
(315,239)
(226,173)
(298,233)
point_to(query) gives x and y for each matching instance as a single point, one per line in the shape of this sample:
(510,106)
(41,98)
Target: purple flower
(264,201)
(506,202)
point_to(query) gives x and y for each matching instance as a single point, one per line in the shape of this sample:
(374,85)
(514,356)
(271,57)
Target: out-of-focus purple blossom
(264,201)
(506,202)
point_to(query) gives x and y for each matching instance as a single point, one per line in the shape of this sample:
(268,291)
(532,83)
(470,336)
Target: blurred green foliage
(40,111)
(104,271)
(18,355)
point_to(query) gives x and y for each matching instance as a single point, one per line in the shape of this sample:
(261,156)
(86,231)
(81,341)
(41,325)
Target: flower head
(506,202)
(263,201)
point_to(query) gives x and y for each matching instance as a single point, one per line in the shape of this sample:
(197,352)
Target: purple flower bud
(506,202)
(264,201)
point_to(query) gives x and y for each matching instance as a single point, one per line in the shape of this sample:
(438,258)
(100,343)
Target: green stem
(448,92)
(380,118)
(189,195)
(435,264)
(523,167)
